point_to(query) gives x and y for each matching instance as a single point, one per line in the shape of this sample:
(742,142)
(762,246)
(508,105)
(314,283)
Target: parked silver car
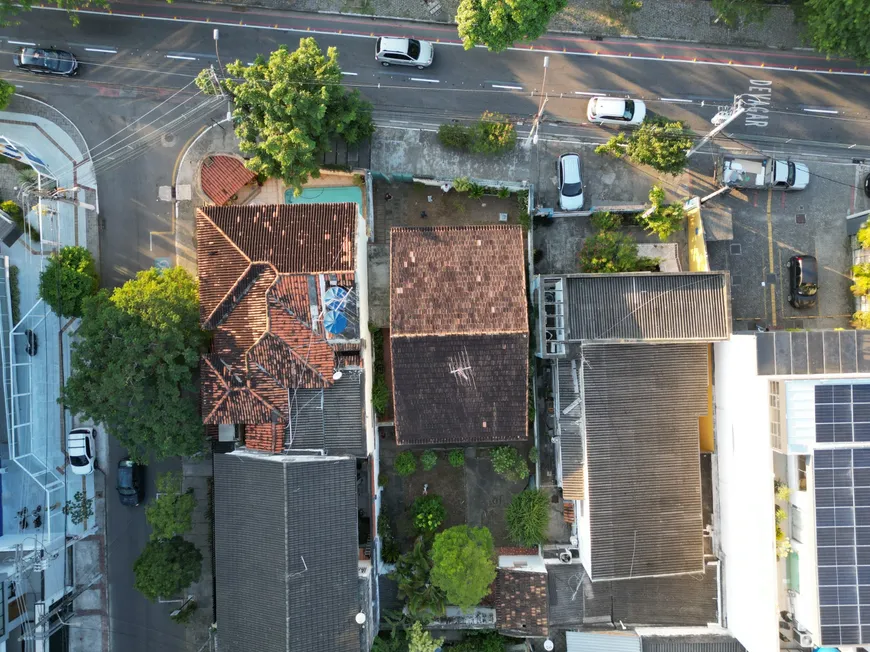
(404,52)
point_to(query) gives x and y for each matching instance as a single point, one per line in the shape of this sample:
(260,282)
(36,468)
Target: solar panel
(842,493)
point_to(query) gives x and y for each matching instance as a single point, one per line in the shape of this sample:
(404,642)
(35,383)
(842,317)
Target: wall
(746,501)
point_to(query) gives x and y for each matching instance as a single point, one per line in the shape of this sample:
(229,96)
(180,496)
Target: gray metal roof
(681,600)
(329,419)
(643,307)
(710,643)
(602,641)
(569,420)
(804,353)
(643,471)
(286,551)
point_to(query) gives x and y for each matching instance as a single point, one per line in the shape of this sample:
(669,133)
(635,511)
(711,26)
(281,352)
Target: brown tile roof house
(221,177)
(264,275)
(459,334)
(521,602)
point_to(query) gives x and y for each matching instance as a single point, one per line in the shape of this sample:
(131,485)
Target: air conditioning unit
(804,638)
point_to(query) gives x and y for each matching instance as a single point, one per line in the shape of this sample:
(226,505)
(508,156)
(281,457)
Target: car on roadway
(803,281)
(404,52)
(81,449)
(47,61)
(616,111)
(130,482)
(570,183)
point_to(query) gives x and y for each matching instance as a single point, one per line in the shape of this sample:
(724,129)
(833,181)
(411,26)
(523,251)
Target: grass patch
(14,294)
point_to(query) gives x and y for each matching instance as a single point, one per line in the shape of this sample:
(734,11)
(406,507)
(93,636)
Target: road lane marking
(104,51)
(674,99)
(352,74)
(829,111)
(430,81)
(20,42)
(510,88)
(178,56)
(590,94)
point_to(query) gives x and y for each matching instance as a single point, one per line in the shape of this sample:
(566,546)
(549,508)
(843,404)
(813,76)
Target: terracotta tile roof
(257,287)
(451,280)
(521,602)
(293,238)
(221,177)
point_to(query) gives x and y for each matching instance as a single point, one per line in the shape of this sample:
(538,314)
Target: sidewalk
(198,475)
(682,20)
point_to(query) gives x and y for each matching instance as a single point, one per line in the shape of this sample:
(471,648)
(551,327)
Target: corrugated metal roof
(602,642)
(642,406)
(569,423)
(808,353)
(691,644)
(641,307)
(330,419)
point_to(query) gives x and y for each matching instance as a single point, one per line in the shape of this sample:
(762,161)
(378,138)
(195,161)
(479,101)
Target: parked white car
(570,184)
(81,449)
(404,52)
(616,111)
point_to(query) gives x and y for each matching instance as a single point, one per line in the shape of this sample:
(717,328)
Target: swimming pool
(325,195)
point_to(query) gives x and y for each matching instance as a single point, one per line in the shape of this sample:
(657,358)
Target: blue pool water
(325,195)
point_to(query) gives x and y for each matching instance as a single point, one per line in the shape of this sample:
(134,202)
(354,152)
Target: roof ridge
(460,227)
(254,277)
(460,333)
(202,210)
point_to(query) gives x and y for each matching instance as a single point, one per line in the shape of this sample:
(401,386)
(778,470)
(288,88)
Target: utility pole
(725,116)
(533,134)
(66,601)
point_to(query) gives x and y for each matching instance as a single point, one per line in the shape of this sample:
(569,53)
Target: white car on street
(616,111)
(81,450)
(570,184)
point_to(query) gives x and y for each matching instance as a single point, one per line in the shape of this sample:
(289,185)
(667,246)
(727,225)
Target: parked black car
(803,281)
(130,482)
(47,61)
(32,342)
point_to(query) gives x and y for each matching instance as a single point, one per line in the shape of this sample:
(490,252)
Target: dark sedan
(803,281)
(47,61)
(130,483)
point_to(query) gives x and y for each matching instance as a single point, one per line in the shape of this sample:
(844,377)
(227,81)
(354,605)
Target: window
(802,472)
(793,578)
(797,525)
(774,410)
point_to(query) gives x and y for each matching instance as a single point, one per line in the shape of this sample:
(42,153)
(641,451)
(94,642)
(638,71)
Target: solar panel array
(842,492)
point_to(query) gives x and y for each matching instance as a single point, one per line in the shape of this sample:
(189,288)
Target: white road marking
(176,56)
(510,88)
(590,94)
(20,42)
(352,74)
(430,81)
(829,111)
(105,51)
(674,99)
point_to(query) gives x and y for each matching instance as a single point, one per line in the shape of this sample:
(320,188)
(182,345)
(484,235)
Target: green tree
(67,280)
(498,24)
(413,577)
(133,364)
(659,143)
(490,641)
(863,235)
(839,27)
(167,567)
(171,513)
(10,8)
(405,464)
(612,252)
(527,517)
(420,640)
(861,276)
(7,90)
(507,462)
(664,219)
(463,567)
(289,109)
(736,12)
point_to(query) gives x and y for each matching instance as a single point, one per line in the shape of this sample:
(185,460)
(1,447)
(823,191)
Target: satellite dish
(360,618)
(548,645)
(334,322)
(335,298)
(337,375)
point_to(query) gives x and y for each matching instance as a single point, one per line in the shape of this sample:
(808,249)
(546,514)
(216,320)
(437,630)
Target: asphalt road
(137,107)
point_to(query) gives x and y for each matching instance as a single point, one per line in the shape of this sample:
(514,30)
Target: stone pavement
(682,20)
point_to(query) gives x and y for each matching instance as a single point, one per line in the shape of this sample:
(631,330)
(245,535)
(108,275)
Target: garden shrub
(493,134)
(864,236)
(15,213)
(861,320)
(428,460)
(405,464)
(455,136)
(861,276)
(389,545)
(380,396)
(606,221)
(428,512)
(527,517)
(490,641)
(612,252)
(462,184)
(14,294)
(533,455)
(507,462)
(383,479)
(456,457)
(476,191)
